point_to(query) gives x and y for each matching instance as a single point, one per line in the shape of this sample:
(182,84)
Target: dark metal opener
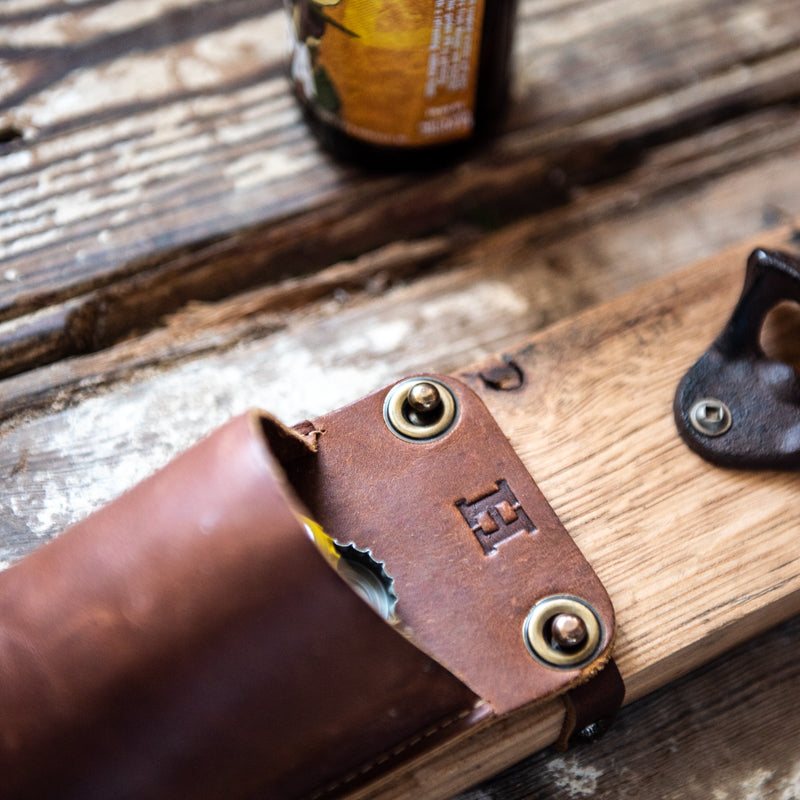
(736,406)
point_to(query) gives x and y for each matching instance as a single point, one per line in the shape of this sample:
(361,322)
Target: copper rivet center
(562,632)
(568,631)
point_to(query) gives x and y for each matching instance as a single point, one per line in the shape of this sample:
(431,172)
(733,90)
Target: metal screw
(710,416)
(593,731)
(568,631)
(424,397)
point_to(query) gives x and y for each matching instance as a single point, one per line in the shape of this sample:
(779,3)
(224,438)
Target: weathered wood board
(157,184)
(728,732)
(684,200)
(593,424)
(151,153)
(697,559)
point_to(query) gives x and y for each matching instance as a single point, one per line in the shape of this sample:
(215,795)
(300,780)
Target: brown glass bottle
(405,83)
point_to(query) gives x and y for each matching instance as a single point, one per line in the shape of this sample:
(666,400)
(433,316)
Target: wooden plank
(649,514)
(161,154)
(728,732)
(685,199)
(593,423)
(170,388)
(594,427)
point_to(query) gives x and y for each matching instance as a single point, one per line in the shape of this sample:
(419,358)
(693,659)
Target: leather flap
(463,531)
(189,641)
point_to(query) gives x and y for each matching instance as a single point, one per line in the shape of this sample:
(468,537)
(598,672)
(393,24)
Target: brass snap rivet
(568,631)
(424,397)
(710,416)
(562,632)
(419,409)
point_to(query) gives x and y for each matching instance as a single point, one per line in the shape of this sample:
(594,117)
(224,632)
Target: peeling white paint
(138,77)
(123,14)
(113,442)
(19,6)
(381,338)
(790,787)
(254,125)
(262,39)
(268,165)
(19,160)
(754,786)
(90,205)
(752,23)
(76,25)
(134,78)
(761,784)
(30,242)
(74,191)
(498,296)
(172,142)
(105,444)
(24,228)
(95,428)
(196,73)
(134,181)
(576,779)
(48,31)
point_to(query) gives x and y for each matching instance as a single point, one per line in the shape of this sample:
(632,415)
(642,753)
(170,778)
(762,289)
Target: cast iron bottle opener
(736,406)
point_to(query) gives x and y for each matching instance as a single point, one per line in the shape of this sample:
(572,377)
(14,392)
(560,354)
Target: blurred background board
(152,153)
(174,248)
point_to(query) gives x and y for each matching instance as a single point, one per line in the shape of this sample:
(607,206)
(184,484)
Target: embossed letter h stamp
(496,517)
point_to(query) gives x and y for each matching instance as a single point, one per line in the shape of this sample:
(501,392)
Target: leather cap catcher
(190,640)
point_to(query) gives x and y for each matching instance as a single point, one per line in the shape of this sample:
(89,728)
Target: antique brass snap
(562,632)
(419,409)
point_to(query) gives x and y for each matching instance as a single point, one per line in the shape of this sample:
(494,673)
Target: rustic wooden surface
(175,248)
(730,731)
(666,532)
(153,154)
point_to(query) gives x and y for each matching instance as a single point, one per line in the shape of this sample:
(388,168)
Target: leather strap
(467,536)
(189,641)
(591,708)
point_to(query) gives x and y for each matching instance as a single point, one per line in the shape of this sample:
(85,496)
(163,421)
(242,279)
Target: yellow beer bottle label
(390,72)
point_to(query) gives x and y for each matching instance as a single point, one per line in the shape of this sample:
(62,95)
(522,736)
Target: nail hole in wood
(9,134)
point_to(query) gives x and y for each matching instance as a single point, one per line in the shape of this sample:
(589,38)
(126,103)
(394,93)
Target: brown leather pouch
(191,640)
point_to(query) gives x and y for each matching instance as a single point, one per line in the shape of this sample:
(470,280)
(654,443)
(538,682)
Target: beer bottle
(401,83)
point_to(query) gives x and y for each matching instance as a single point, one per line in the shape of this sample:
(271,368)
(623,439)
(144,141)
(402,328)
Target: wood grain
(603,442)
(161,158)
(696,559)
(730,730)
(648,514)
(593,424)
(175,249)
(684,200)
